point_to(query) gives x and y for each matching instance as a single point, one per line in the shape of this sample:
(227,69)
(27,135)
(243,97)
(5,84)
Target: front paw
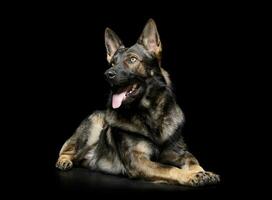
(204,178)
(64,164)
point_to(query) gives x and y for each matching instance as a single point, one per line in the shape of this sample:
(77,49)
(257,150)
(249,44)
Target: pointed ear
(112,43)
(150,38)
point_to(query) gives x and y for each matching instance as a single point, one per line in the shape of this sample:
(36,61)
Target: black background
(60,79)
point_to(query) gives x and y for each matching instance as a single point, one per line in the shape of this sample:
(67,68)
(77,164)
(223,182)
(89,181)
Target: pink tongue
(117,99)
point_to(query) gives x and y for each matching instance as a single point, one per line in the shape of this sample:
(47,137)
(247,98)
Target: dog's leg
(187,162)
(142,167)
(66,154)
(83,139)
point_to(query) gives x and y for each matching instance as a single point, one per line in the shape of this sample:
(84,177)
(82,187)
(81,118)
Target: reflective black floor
(82,180)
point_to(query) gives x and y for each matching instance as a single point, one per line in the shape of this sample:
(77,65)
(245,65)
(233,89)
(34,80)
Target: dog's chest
(154,124)
(107,163)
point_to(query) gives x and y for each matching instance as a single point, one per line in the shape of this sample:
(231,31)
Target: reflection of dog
(139,135)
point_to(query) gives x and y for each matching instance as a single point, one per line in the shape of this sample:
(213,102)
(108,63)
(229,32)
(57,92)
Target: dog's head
(130,68)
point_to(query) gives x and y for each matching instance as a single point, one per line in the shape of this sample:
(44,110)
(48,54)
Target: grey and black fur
(140,138)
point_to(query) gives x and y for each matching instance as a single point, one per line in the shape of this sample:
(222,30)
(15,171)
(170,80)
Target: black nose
(110,74)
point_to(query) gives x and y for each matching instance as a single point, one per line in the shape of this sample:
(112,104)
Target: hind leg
(86,135)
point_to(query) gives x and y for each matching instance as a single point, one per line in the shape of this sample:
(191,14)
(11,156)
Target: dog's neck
(156,112)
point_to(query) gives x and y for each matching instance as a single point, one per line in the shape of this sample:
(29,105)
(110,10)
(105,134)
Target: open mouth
(122,94)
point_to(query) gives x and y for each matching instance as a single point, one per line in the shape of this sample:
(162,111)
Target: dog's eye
(133,59)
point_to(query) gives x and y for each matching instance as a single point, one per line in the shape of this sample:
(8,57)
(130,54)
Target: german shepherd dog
(139,134)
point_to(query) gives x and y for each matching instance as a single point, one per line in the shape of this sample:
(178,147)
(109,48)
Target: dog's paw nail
(64,164)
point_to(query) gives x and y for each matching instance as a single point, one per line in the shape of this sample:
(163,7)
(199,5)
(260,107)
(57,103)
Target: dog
(139,134)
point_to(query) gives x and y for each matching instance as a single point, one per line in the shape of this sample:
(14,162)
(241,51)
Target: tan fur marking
(165,74)
(97,118)
(143,147)
(67,149)
(98,122)
(66,156)
(140,69)
(158,172)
